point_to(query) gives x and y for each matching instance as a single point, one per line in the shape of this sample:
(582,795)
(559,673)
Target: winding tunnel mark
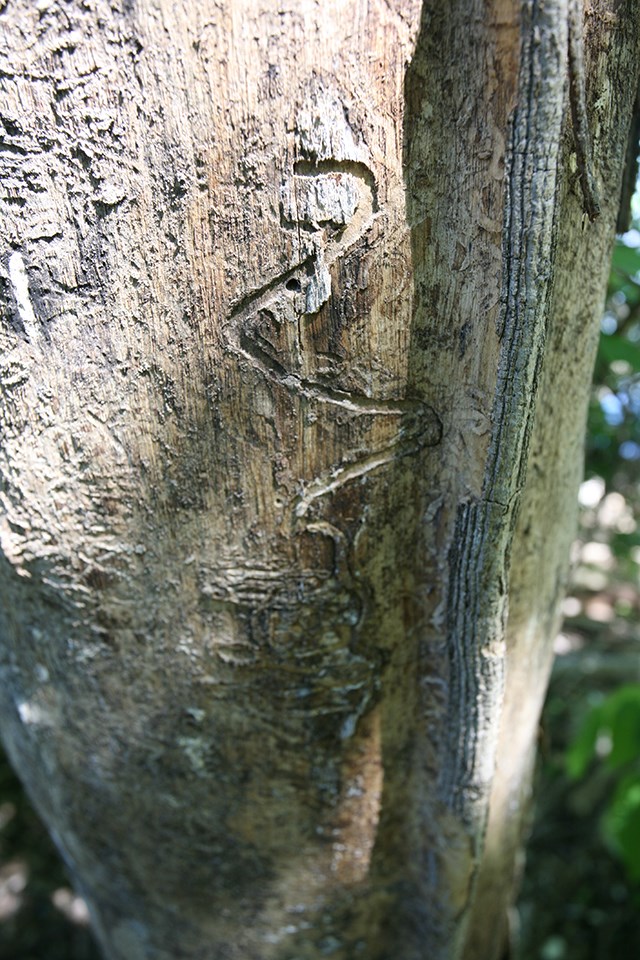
(335,204)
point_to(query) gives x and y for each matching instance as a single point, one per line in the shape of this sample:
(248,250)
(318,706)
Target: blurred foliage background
(580,898)
(581,892)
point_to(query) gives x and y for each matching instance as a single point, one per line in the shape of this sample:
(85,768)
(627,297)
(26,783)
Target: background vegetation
(581,889)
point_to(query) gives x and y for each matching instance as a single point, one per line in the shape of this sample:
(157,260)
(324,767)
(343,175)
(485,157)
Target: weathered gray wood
(299,307)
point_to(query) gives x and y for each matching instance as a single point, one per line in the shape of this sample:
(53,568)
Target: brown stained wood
(287,295)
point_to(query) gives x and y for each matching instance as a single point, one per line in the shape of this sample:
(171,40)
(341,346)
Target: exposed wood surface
(298,312)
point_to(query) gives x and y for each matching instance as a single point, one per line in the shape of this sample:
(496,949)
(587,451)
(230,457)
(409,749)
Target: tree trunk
(299,309)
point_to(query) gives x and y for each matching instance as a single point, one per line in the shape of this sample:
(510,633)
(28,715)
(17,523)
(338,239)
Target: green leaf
(614,347)
(626,259)
(581,751)
(625,730)
(621,825)
(617,717)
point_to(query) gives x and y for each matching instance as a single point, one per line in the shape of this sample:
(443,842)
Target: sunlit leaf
(613,347)
(626,259)
(616,719)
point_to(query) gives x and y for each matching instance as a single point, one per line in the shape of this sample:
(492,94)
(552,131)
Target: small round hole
(293,285)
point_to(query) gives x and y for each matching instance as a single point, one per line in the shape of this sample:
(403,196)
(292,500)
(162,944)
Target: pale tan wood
(293,378)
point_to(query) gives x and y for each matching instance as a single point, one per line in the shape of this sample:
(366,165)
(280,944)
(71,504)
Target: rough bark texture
(299,307)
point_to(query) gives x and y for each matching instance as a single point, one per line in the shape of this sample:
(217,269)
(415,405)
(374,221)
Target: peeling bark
(299,308)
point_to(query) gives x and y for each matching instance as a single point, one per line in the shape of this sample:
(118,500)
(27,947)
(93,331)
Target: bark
(299,309)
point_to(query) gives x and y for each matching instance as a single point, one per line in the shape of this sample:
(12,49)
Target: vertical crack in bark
(479,559)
